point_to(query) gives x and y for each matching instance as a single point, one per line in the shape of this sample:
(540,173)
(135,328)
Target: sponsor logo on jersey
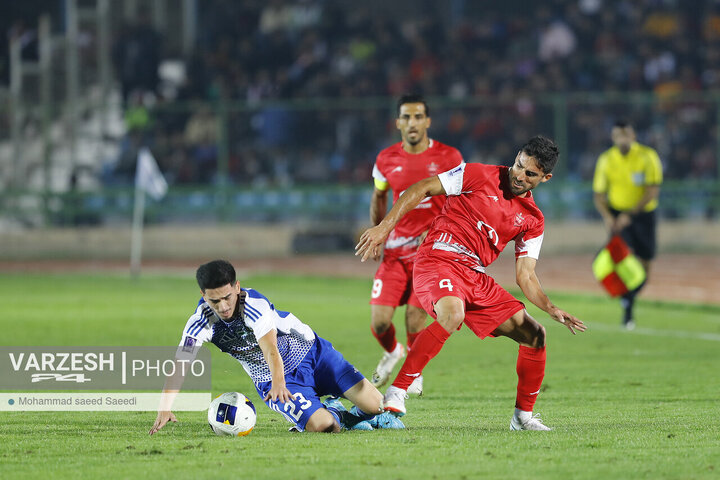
(433,168)
(494,197)
(489,231)
(518,219)
(396,169)
(189,344)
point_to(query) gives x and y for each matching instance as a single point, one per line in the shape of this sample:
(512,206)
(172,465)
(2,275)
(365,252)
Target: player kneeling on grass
(291,366)
(487,206)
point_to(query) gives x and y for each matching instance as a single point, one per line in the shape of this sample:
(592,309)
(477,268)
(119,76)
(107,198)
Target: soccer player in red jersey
(397,167)
(487,206)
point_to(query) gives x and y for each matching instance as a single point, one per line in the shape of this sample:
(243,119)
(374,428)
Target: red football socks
(530,370)
(387,338)
(428,343)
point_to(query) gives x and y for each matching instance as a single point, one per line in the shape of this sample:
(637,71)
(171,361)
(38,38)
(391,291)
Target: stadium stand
(286,93)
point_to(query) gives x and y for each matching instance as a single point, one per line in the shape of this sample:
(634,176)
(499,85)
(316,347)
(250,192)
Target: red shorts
(487,304)
(393,283)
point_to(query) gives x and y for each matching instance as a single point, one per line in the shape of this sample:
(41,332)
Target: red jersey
(481,215)
(399,170)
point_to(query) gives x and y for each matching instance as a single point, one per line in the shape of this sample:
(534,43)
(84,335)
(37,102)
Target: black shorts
(640,234)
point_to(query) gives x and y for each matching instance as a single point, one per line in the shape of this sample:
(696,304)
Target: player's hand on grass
(163,417)
(278,393)
(572,323)
(371,242)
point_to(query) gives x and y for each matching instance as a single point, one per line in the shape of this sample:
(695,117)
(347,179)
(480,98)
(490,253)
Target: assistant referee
(626,186)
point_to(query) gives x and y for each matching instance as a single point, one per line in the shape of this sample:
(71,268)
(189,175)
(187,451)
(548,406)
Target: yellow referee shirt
(624,177)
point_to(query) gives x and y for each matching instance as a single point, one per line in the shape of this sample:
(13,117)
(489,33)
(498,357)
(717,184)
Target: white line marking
(652,332)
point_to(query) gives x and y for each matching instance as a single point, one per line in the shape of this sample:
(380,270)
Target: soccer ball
(232,413)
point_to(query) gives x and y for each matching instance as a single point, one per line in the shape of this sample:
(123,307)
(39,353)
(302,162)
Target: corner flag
(148,179)
(148,176)
(617,269)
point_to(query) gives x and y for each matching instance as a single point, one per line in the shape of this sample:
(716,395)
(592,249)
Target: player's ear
(397,123)
(547,177)
(429,121)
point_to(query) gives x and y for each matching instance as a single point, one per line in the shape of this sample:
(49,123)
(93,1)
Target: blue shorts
(324,371)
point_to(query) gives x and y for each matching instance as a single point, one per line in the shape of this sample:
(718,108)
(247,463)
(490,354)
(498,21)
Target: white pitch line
(652,332)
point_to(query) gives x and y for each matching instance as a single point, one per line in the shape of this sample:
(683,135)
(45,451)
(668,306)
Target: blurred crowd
(495,73)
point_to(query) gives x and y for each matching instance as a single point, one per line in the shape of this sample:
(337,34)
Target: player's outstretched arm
(278,390)
(170,390)
(529,283)
(373,238)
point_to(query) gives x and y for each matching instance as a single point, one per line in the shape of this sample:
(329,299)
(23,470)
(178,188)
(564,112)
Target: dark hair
(544,151)
(412,98)
(215,274)
(621,123)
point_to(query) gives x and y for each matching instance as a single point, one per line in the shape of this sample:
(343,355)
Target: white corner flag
(148,179)
(148,176)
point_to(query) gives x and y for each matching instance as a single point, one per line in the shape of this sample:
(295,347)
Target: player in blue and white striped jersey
(291,366)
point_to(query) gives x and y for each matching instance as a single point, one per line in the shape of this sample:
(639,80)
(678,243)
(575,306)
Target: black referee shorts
(640,235)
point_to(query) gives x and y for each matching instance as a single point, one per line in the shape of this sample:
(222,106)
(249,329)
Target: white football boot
(416,387)
(394,401)
(527,421)
(382,373)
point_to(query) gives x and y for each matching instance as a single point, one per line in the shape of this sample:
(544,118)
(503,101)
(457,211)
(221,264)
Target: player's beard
(418,138)
(514,188)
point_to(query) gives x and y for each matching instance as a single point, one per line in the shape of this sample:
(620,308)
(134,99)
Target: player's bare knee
(324,424)
(381,319)
(450,313)
(333,427)
(379,327)
(538,340)
(451,320)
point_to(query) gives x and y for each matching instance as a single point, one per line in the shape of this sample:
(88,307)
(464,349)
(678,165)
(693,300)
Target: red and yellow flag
(617,269)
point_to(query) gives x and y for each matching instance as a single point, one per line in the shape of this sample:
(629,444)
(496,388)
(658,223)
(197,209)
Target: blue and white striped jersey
(239,337)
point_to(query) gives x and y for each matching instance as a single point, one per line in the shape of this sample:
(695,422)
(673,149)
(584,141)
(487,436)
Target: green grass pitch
(642,404)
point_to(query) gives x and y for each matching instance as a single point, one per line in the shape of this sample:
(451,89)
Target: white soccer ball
(232,413)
